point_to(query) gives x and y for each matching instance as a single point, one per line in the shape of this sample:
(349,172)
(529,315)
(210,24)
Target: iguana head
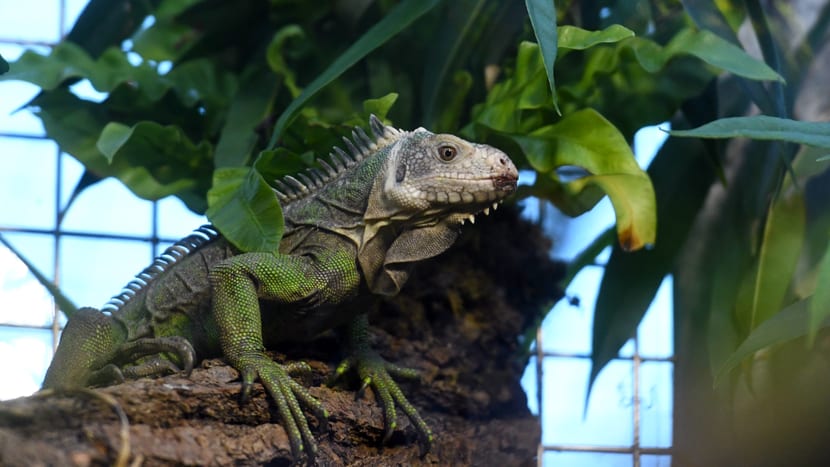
(441,178)
(428,185)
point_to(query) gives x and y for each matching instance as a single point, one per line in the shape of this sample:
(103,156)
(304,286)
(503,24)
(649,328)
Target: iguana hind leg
(88,343)
(94,351)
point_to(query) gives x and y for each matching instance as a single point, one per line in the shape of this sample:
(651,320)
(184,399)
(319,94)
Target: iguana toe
(288,395)
(376,372)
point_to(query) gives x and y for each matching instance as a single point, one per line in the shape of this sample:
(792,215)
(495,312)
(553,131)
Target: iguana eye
(447,153)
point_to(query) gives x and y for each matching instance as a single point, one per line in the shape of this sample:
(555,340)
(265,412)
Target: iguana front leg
(238,283)
(376,372)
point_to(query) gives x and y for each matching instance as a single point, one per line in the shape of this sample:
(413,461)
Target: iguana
(353,228)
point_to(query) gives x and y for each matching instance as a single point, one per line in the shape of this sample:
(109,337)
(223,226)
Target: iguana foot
(142,357)
(376,372)
(288,394)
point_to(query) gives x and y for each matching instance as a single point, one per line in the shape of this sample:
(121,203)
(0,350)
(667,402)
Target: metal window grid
(56,231)
(636,450)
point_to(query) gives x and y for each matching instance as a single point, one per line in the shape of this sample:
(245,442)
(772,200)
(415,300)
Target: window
(106,237)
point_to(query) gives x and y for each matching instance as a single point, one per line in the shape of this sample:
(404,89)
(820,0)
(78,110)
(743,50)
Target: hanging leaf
(763,127)
(587,140)
(572,37)
(543,19)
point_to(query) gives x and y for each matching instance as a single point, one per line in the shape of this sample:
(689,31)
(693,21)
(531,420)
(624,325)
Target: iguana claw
(287,394)
(376,372)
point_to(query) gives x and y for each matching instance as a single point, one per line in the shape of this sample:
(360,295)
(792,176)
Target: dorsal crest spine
(359,146)
(172,255)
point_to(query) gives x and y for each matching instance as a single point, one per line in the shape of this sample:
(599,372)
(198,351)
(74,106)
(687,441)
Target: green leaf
(100,25)
(275,59)
(380,107)
(585,139)
(249,109)
(778,256)
(165,151)
(396,21)
(277,163)
(4,65)
(448,55)
(721,53)
(763,127)
(790,323)
(572,37)
(64,303)
(819,307)
(245,209)
(543,19)
(76,125)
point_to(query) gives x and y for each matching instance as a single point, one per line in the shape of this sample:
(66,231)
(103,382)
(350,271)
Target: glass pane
(176,220)
(609,418)
(27,182)
(24,300)
(656,331)
(586,459)
(567,328)
(656,389)
(580,231)
(93,269)
(71,172)
(655,461)
(648,140)
(109,207)
(529,385)
(33,20)
(24,356)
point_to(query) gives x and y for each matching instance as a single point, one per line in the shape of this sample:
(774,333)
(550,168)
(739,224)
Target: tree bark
(459,321)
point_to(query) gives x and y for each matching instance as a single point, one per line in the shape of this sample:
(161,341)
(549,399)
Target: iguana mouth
(506,182)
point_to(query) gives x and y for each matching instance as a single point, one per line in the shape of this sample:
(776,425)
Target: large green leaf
(245,209)
(764,127)
(543,19)
(587,140)
(76,125)
(67,61)
(164,151)
(4,65)
(397,20)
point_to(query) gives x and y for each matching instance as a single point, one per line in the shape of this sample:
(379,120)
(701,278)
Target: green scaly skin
(356,225)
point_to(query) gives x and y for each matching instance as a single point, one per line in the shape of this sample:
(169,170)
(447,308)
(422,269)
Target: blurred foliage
(209,100)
